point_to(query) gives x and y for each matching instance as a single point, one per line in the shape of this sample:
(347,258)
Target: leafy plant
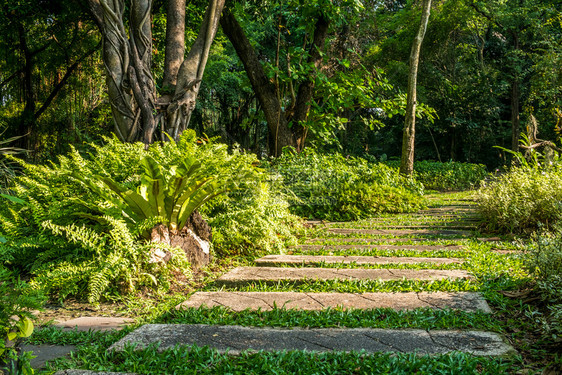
(79,225)
(170,195)
(7,167)
(544,262)
(332,187)
(447,176)
(16,301)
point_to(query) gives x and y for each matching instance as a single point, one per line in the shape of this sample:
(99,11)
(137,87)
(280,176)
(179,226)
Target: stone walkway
(428,247)
(331,256)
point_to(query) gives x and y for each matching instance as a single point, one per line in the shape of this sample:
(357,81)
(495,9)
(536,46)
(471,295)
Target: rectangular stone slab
(277,260)
(245,275)
(376,240)
(266,301)
(401,232)
(236,339)
(378,247)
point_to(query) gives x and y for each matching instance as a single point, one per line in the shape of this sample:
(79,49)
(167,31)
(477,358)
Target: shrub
(80,235)
(17,300)
(333,187)
(522,200)
(251,221)
(544,262)
(451,175)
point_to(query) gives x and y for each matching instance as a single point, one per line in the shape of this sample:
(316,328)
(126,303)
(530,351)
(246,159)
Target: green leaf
(13,199)
(26,327)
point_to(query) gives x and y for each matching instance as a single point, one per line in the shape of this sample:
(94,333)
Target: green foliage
(332,187)
(544,262)
(447,176)
(17,300)
(7,167)
(522,200)
(251,221)
(76,228)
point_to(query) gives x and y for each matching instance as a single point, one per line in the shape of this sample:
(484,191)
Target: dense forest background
(486,66)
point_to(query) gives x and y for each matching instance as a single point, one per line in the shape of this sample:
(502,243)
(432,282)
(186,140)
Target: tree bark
(515,95)
(191,72)
(306,89)
(127,56)
(264,89)
(408,138)
(175,42)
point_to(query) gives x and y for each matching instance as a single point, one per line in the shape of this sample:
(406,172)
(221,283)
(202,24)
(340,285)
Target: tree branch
(62,82)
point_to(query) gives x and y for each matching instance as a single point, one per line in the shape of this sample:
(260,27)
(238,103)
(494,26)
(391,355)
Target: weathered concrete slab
(245,275)
(266,301)
(380,240)
(401,232)
(236,339)
(44,353)
(95,323)
(87,372)
(378,247)
(277,260)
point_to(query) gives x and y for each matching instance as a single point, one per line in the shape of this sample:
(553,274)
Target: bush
(544,262)
(77,237)
(522,200)
(451,175)
(251,221)
(17,300)
(332,187)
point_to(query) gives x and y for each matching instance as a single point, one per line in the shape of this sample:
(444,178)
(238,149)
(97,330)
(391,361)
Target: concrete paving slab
(266,301)
(401,232)
(278,260)
(236,339)
(44,353)
(245,275)
(378,247)
(95,323)
(87,372)
(379,240)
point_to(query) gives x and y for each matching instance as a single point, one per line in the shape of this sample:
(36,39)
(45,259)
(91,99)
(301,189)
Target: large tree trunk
(127,55)
(408,138)
(175,42)
(191,72)
(264,89)
(306,89)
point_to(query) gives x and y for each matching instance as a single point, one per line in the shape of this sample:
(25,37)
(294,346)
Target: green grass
(357,286)
(336,317)
(196,360)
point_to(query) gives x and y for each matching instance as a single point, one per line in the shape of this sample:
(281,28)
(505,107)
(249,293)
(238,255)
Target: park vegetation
(122,121)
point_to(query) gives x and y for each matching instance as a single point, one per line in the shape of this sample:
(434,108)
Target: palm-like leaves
(171,195)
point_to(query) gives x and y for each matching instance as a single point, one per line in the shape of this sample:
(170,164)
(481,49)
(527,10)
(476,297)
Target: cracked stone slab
(277,260)
(378,247)
(45,353)
(245,275)
(375,240)
(95,323)
(236,339)
(401,232)
(266,301)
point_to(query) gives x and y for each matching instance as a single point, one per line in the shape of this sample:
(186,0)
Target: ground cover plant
(79,227)
(17,300)
(333,187)
(447,176)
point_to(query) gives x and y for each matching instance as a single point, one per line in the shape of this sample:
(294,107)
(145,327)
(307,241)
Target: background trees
(328,74)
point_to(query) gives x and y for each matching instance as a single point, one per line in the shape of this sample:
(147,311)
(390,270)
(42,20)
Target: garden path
(397,262)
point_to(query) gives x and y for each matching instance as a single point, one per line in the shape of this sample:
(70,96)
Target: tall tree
(408,138)
(139,110)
